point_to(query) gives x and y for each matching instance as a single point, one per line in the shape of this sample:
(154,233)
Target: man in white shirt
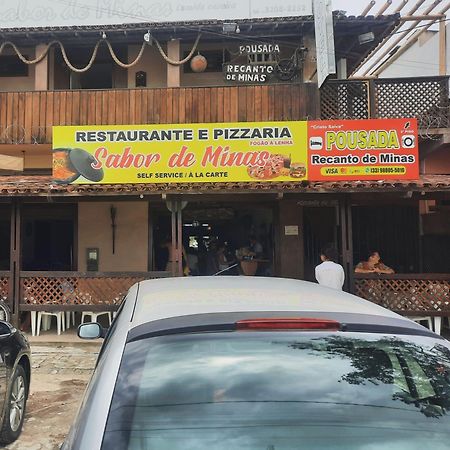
(329,273)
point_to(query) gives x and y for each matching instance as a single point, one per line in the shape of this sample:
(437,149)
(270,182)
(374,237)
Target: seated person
(373,265)
(256,247)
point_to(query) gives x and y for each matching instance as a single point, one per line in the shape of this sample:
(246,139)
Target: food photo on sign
(373,149)
(226,152)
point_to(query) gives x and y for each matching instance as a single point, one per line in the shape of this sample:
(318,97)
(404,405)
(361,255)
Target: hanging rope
(178,63)
(120,63)
(90,63)
(21,57)
(66,58)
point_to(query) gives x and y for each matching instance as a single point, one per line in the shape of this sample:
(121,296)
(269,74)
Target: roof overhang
(288,29)
(42,186)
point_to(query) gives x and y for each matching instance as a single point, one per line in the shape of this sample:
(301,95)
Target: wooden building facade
(48,232)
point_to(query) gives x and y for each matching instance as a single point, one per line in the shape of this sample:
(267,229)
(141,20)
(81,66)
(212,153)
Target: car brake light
(288,324)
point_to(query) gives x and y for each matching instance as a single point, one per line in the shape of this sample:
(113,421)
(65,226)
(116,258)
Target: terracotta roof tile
(29,186)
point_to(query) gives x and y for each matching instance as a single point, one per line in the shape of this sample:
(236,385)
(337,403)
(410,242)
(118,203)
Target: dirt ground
(59,376)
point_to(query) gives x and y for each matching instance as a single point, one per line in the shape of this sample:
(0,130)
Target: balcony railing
(28,117)
(426,98)
(408,294)
(79,291)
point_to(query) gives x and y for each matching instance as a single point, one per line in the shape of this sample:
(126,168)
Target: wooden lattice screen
(344,100)
(426,99)
(78,290)
(430,296)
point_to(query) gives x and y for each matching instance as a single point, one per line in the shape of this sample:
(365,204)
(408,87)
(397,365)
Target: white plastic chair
(60,322)
(93,315)
(70,319)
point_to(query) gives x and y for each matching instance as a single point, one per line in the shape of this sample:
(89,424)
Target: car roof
(185,296)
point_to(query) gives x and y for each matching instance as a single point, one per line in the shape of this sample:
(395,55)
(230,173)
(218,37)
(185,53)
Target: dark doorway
(320,229)
(48,238)
(99,76)
(392,230)
(210,228)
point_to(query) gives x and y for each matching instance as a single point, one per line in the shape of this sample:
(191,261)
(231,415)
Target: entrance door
(48,237)
(214,236)
(320,229)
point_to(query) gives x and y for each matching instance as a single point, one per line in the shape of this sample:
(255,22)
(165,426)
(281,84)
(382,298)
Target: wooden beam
(11,163)
(442,48)
(422,17)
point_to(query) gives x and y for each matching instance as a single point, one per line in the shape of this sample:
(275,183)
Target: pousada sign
(236,152)
(372,149)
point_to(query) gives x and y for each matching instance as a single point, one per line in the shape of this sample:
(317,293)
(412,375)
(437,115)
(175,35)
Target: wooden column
(290,251)
(442,47)
(180,239)
(173,72)
(15,261)
(345,216)
(41,74)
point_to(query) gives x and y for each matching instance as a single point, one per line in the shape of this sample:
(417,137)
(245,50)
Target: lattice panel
(344,100)
(75,291)
(425,99)
(406,295)
(4,288)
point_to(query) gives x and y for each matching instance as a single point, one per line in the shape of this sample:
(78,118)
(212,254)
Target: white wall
(94,230)
(421,59)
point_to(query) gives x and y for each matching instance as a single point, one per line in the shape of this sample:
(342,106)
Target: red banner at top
(375,149)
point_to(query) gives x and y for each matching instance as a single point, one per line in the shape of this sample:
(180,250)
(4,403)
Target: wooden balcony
(27,117)
(426,98)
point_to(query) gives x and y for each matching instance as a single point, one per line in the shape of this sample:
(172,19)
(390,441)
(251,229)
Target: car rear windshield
(276,391)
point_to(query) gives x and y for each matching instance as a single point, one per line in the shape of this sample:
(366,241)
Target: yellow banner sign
(225,152)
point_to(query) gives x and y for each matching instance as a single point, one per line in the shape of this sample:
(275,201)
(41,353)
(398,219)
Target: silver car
(262,364)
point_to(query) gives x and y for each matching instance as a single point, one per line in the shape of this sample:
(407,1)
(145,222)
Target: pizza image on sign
(277,166)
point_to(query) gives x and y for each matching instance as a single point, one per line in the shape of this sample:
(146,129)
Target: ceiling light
(365,38)
(230,27)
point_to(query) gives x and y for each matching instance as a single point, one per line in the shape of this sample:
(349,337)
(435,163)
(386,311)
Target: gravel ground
(59,376)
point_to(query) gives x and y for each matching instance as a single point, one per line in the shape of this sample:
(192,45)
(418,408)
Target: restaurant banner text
(237,152)
(225,152)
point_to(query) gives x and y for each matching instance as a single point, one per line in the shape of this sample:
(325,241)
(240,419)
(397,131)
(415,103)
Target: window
(12,66)
(261,58)
(274,390)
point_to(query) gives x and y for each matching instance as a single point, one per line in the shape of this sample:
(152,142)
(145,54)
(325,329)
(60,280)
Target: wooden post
(41,70)
(173,72)
(345,210)
(15,262)
(442,47)
(291,250)
(174,252)
(179,239)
